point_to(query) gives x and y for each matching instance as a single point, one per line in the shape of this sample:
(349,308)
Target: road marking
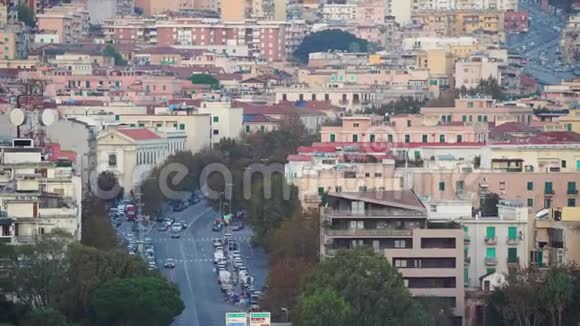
(197,217)
(188,279)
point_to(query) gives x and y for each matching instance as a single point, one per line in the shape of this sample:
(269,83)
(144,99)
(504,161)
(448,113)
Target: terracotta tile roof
(505,129)
(259,117)
(139,133)
(299,158)
(406,199)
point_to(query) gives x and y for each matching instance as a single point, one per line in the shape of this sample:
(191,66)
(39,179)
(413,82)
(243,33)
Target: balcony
(466,238)
(491,241)
(549,192)
(346,213)
(572,192)
(490,261)
(368,233)
(467,260)
(513,261)
(57,212)
(512,242)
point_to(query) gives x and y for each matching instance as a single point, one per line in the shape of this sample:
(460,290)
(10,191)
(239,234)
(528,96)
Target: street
(542,40)
(194,270)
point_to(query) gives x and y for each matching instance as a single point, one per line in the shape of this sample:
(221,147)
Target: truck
(131,212)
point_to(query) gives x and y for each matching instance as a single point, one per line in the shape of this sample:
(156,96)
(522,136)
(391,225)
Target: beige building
(469,72)
(394,223)
(7,45)
(131,154)
(226,121)
(69,21)
(557,237)
(235,10)
(352,97)
(570,41)
(38,196)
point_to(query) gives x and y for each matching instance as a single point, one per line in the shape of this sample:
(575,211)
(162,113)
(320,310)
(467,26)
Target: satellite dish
(17,117)
(48,117)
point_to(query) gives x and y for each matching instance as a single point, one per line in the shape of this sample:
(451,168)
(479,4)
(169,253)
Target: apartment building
(557,236)
(567,92)
(13,43)
(38,196)
(402,129)
(401,10)
(371,12)
(99,10)
(570,42)
(394,223)
(463,22)
(8,12)
(471,71)
(131,153)
(465,4)
(516,21)
(317,171)
(332,12)
(496,244)
(226,121)
(459,47)
(480,109)
(352,97)
(69,21)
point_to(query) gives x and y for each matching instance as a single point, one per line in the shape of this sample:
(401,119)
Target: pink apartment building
(403,129)
(516,21)
(480,110)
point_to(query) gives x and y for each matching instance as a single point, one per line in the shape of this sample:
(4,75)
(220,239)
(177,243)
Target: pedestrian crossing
(194,260)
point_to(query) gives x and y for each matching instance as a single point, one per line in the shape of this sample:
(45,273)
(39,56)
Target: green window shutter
(417,155)
(407,138)
(530,185)
(484,118)
(512,232)
(332,138)
(159,125)
(465,228)
(578,165)
(490,270)
(142,125)
(464,118)
(540,257)
(569,127)
(175,125)
(425,138)
(321,191)
(548,187)
(479,118)
(216,119)
(354,138)
(118,117)
(571,188)
(490,252)
(530,202)
(372,138)
(132,125)
(441,138)
(390,140)
(465,275)
(512,255)
(470,118)
(442,186)
(490,232)
(182,126)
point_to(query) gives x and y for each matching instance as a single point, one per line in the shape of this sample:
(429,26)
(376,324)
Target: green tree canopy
(97,230)
(26,14)
(330,39)
(371,288)
(403,105)
(325,308)
(205,79)
(139,301)
(111,51)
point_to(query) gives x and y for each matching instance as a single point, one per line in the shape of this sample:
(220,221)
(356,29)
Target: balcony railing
(368,233)
(549,192)
(513,260)
(467,260)
(572,192)
(490,240)
(370,213)
(513,241)
(490,261)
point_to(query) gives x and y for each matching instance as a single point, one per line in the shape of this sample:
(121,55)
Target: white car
(217,242)
(176,227)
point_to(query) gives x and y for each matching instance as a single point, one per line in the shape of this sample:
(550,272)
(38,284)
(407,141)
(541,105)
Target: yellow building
(462,22)
(557,237)
(375,60)
(7,45)
(437,61)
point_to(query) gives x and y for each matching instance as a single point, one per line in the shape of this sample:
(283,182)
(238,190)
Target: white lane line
(198,216)
(188,279)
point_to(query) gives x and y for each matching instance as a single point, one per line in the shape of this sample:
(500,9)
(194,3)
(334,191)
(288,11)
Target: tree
(111,51)
(26,14)
(445,99)
(403,105)
(138,301)
(97,230)
(372,288)
(486,87)
(331,39)
(325,308)
(205,79)
(558,292)
(108,185)
(44,317)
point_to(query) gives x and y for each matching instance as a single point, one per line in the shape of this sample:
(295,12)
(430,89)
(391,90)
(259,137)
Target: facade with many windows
(496,243)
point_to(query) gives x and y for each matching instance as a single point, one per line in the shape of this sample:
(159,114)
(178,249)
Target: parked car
(176,227)
(217,242)
(183,224)
(237,227)
(175,235)
(162,227)
(169,263)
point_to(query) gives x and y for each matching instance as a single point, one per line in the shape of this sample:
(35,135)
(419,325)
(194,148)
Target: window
(490,252)
(464,118)
(362,188)
(372,138)
(142,125)
(400,244)
(490,232)
(321,191)
(355,124)
(332,138)
(466,275)
(469,105)
(512,232)
(547,203)
(484,118)
(572,188)
(571,202)
(408,123)
(512,255)
(425,138)
(117,117)
(478,118)
(459,186)
(459,138)
(530,202)
(578,165)
(354,138)
(548,187)
(164,87)
(182,126)
(563,163)
(216,119)
(158,125)
(112,160)
(441,186)
(216,132)
(530,186)
(441,138)
(248,129)
(502,185)
(490,271)
(407,138)
(400,263)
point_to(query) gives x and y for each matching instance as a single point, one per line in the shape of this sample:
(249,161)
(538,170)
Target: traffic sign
(260,319)
(236,319)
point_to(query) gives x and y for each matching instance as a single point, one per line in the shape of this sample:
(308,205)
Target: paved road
(545,40)
(194,272)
